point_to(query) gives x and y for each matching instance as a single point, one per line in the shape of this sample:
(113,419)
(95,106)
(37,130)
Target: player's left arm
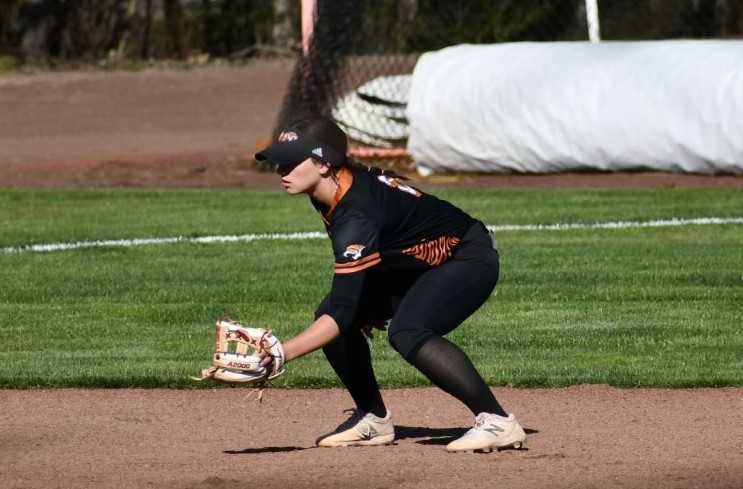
(318,334)
(345,295)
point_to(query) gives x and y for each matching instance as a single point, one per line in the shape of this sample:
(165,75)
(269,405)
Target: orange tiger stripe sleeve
(434,252)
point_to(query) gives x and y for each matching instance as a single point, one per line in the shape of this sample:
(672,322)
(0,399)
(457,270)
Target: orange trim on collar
(345,180)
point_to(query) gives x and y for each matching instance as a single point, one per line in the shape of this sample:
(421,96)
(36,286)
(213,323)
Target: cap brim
(283,154)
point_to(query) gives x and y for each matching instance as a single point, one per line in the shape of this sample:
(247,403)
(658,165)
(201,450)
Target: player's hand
(266,359)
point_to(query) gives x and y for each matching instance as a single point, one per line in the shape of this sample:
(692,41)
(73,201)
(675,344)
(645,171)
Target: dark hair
(374,170)
(324,131)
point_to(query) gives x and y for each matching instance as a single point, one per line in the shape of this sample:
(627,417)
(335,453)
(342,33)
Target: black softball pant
(432,303)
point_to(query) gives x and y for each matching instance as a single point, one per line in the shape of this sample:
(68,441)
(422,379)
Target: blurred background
(90,89)
(52,32)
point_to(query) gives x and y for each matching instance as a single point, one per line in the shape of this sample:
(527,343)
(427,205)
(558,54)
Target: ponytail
(358,166)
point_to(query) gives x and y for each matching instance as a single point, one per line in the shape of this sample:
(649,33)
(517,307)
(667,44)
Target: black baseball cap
(315,137)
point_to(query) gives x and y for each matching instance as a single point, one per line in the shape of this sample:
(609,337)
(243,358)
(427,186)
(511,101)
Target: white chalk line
(243,238)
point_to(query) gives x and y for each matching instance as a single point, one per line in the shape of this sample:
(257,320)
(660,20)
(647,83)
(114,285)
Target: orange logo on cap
(288,136)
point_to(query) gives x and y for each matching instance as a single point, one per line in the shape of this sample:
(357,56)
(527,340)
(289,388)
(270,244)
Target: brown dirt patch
(151,128)
(580,437)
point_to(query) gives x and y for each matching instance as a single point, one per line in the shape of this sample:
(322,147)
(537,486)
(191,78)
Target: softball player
(400,255)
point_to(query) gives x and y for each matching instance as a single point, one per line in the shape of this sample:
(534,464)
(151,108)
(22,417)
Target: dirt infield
(198,128)
(580,437)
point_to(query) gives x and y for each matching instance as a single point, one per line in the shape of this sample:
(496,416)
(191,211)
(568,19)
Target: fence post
(592,18)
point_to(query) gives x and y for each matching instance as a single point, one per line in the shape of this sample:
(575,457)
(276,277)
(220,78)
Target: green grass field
(629,307)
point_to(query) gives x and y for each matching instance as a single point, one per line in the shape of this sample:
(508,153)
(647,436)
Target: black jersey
(378,223)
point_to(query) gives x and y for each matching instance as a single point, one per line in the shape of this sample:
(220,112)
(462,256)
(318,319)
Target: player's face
(303,178)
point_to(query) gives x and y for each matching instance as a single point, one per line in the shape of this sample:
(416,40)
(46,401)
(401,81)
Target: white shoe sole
(378,440)
(517,445)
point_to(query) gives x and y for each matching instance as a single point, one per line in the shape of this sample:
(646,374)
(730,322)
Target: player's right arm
(356,249)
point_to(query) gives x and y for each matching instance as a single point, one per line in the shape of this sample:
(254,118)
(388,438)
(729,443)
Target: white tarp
(550,107)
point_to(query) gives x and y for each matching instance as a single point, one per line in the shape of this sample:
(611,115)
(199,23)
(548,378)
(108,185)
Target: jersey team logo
(288,136)
(354,251)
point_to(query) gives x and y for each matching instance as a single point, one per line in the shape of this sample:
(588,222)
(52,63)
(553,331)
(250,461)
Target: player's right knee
(406,341)
(394,340)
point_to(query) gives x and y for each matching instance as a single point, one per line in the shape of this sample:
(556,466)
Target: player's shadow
(430,436)
(248,451)
(435,436)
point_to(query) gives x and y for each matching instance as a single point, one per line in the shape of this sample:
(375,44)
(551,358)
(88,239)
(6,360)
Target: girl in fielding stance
(400,255)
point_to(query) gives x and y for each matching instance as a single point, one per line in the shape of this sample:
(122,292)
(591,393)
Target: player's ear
(323,167)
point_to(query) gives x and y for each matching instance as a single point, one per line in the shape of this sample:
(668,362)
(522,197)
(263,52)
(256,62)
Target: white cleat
(361,429)
(490,432)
